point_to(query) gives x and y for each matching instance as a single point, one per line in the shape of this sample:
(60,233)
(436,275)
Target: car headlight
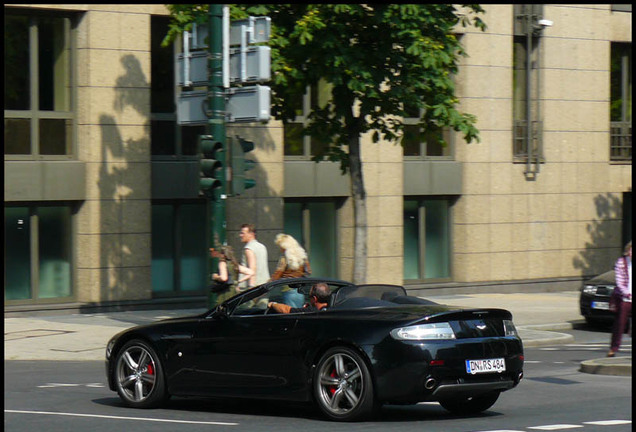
(590,289)
(433,331)
(509,328)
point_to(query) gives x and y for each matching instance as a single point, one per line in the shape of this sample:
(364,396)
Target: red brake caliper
(150,370)
(332,389)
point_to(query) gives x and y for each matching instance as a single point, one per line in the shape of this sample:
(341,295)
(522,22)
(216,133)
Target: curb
(535,338)
(617,366)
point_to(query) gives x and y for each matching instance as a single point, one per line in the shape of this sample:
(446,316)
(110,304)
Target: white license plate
(485,366)
(600,305)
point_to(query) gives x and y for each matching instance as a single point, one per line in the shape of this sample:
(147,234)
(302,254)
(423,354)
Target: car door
(246,354)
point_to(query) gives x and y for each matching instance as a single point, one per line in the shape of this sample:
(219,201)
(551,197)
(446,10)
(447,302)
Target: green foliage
(379,60)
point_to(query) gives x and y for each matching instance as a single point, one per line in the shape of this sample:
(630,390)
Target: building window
(426,239)
(168,138)
(527,125)
(434,142)
(524,110)
(314,224)
(179,259)
(38,253)
(297,145)
(621,102)
(38,86)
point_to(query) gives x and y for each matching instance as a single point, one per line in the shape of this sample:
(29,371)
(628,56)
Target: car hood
(607,278)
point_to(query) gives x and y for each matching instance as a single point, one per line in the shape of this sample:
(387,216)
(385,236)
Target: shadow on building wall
(604,244)
(124,176)
(263,204)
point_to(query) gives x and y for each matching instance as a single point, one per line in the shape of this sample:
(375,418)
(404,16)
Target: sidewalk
(539,317)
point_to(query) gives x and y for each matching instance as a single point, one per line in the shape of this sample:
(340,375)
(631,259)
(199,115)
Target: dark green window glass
(189,139)
(193,242)
(162,248)
(293,139)
(17,256)
(17,136)
(411,140)
(161,68)
(55,136)
(54,226)
(293,218)
(426,239)
(17,95)
(621,82)
(411,240)
(322,223)
(162,134)
(53,65)
(437,239)
(313,224)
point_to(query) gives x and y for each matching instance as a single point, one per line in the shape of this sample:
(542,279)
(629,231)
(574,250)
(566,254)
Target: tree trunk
(359,211)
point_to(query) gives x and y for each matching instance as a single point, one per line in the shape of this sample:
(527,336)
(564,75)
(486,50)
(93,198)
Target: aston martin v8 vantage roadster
(372,345)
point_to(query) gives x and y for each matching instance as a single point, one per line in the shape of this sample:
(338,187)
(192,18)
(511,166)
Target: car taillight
(509,329)
(433,331)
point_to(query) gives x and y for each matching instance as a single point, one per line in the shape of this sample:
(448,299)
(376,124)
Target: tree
(381,62)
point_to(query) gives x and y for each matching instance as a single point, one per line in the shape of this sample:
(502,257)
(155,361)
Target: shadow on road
(387,414)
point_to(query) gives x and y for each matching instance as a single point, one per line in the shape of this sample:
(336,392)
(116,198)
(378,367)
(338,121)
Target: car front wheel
(470,405)
(343,388)
(139,375)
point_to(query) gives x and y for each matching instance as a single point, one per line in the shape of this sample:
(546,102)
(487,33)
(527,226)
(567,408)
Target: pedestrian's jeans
(623,313)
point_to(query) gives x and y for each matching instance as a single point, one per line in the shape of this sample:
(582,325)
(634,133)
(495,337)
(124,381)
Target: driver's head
(320,292)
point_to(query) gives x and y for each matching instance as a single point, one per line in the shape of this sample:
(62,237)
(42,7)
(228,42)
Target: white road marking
(51,385)
(502,430)
(567,426)
(54,385)
(608,422)
(120,418)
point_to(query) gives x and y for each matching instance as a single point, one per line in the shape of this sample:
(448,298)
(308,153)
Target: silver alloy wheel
(341,383)
(136,373)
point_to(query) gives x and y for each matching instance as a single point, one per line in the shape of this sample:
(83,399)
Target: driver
(319,295)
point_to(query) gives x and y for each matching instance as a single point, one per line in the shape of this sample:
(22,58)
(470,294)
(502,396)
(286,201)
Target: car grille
(604,290)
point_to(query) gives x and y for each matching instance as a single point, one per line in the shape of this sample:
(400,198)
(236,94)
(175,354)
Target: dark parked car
(595,296)
(373,345)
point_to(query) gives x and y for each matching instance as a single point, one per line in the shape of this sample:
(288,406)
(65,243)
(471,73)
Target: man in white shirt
(254,257)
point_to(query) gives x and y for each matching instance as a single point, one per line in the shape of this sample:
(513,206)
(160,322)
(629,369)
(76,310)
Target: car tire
(343,388)
(470,405)
(138,375)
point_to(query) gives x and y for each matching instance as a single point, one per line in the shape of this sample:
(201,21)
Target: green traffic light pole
(216,126)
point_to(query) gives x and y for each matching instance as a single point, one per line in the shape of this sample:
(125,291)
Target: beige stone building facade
(112,215)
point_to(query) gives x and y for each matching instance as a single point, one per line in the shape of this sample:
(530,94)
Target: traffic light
(240,147)
(211,166)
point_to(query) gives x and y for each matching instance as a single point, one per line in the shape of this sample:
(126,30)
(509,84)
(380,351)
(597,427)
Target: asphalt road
(61,396)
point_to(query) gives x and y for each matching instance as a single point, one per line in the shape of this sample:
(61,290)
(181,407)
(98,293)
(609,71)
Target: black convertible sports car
(372,345)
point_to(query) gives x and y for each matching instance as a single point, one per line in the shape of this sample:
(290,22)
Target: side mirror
(220,312)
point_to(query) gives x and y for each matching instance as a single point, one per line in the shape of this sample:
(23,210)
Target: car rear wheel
(139,376)
(342,385)
(470,405)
